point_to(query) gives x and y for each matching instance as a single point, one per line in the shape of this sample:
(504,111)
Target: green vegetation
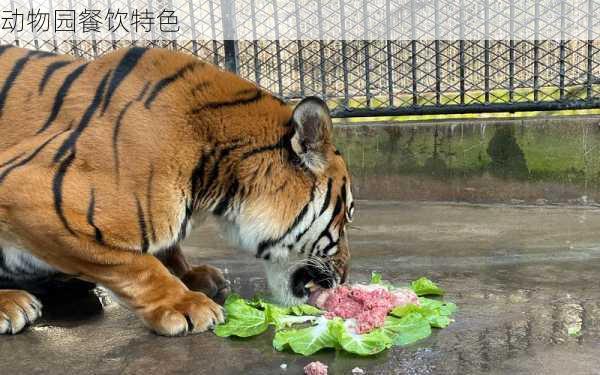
(304,330)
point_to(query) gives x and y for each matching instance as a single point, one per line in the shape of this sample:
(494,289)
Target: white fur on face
(252,228)
(279,281)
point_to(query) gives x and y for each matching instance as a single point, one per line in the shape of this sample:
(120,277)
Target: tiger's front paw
(194,312)
(208,280)
(17,310)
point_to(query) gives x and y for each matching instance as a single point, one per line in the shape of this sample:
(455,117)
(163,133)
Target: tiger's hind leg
(18,309)
(203,278)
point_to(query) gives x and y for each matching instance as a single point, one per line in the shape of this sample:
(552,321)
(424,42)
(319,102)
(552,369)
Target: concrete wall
(526,161)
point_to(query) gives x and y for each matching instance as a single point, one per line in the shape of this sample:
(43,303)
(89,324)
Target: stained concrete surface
(521,276)
(519,160)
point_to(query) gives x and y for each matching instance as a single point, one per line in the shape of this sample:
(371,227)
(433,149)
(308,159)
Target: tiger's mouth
(309,279)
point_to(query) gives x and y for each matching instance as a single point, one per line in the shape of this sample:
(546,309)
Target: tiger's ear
(313,130)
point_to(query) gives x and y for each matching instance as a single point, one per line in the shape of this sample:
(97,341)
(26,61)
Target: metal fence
(371,77)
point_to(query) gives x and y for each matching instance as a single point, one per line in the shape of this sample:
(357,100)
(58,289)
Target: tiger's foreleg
(159,298)
(203,278)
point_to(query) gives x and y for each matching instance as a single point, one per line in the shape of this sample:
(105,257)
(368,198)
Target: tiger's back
(114,117)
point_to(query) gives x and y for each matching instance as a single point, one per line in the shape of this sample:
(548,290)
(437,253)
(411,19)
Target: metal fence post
(230,42)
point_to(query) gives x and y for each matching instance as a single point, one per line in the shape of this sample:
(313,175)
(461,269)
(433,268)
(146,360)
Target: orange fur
(138,140)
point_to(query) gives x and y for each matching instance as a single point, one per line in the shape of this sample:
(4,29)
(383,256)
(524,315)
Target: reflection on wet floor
(526,306)
(492,326)
(540,323)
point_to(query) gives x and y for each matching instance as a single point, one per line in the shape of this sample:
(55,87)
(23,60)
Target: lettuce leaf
(445,308)
(286,321)
(309,340)
(424,287)
(436,312)
(369,343)
(409,329)
(332,333)
(304,330)
(302,309)
(243,320)
(375,278)
(378,280)
(305,309)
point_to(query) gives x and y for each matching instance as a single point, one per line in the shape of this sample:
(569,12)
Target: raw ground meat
(315,368)
(367,304)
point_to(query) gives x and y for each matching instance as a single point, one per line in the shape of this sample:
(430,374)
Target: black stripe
(184,224)
(11,160)
(328,247)
(281,144)
(115,138)
(149,203)
(70,142)
(126,66)
(214,173)
(12,77)
(5,48)
(336,211)
(264,245)
(3,260)
(27,159)
(197,178)
(325,232)
(301,234)
(182,232)
(217,105)
(225,201)
(50,70)
(57,186)
(42,54)
(143,92)
(90,218)
(165,82)
(142,222)
(327,196)
(61,95)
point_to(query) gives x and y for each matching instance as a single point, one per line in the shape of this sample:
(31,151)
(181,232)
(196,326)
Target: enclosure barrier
(367,77)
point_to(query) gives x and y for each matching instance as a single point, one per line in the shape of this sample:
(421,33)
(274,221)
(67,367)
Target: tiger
(107,165)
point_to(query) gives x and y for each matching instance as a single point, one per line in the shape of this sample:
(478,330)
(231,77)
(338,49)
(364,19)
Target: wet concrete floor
(523,278)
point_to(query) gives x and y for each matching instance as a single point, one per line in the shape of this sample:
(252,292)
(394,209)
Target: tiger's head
(297,203)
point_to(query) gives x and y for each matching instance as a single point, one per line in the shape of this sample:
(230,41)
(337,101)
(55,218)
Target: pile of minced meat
(368,305)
